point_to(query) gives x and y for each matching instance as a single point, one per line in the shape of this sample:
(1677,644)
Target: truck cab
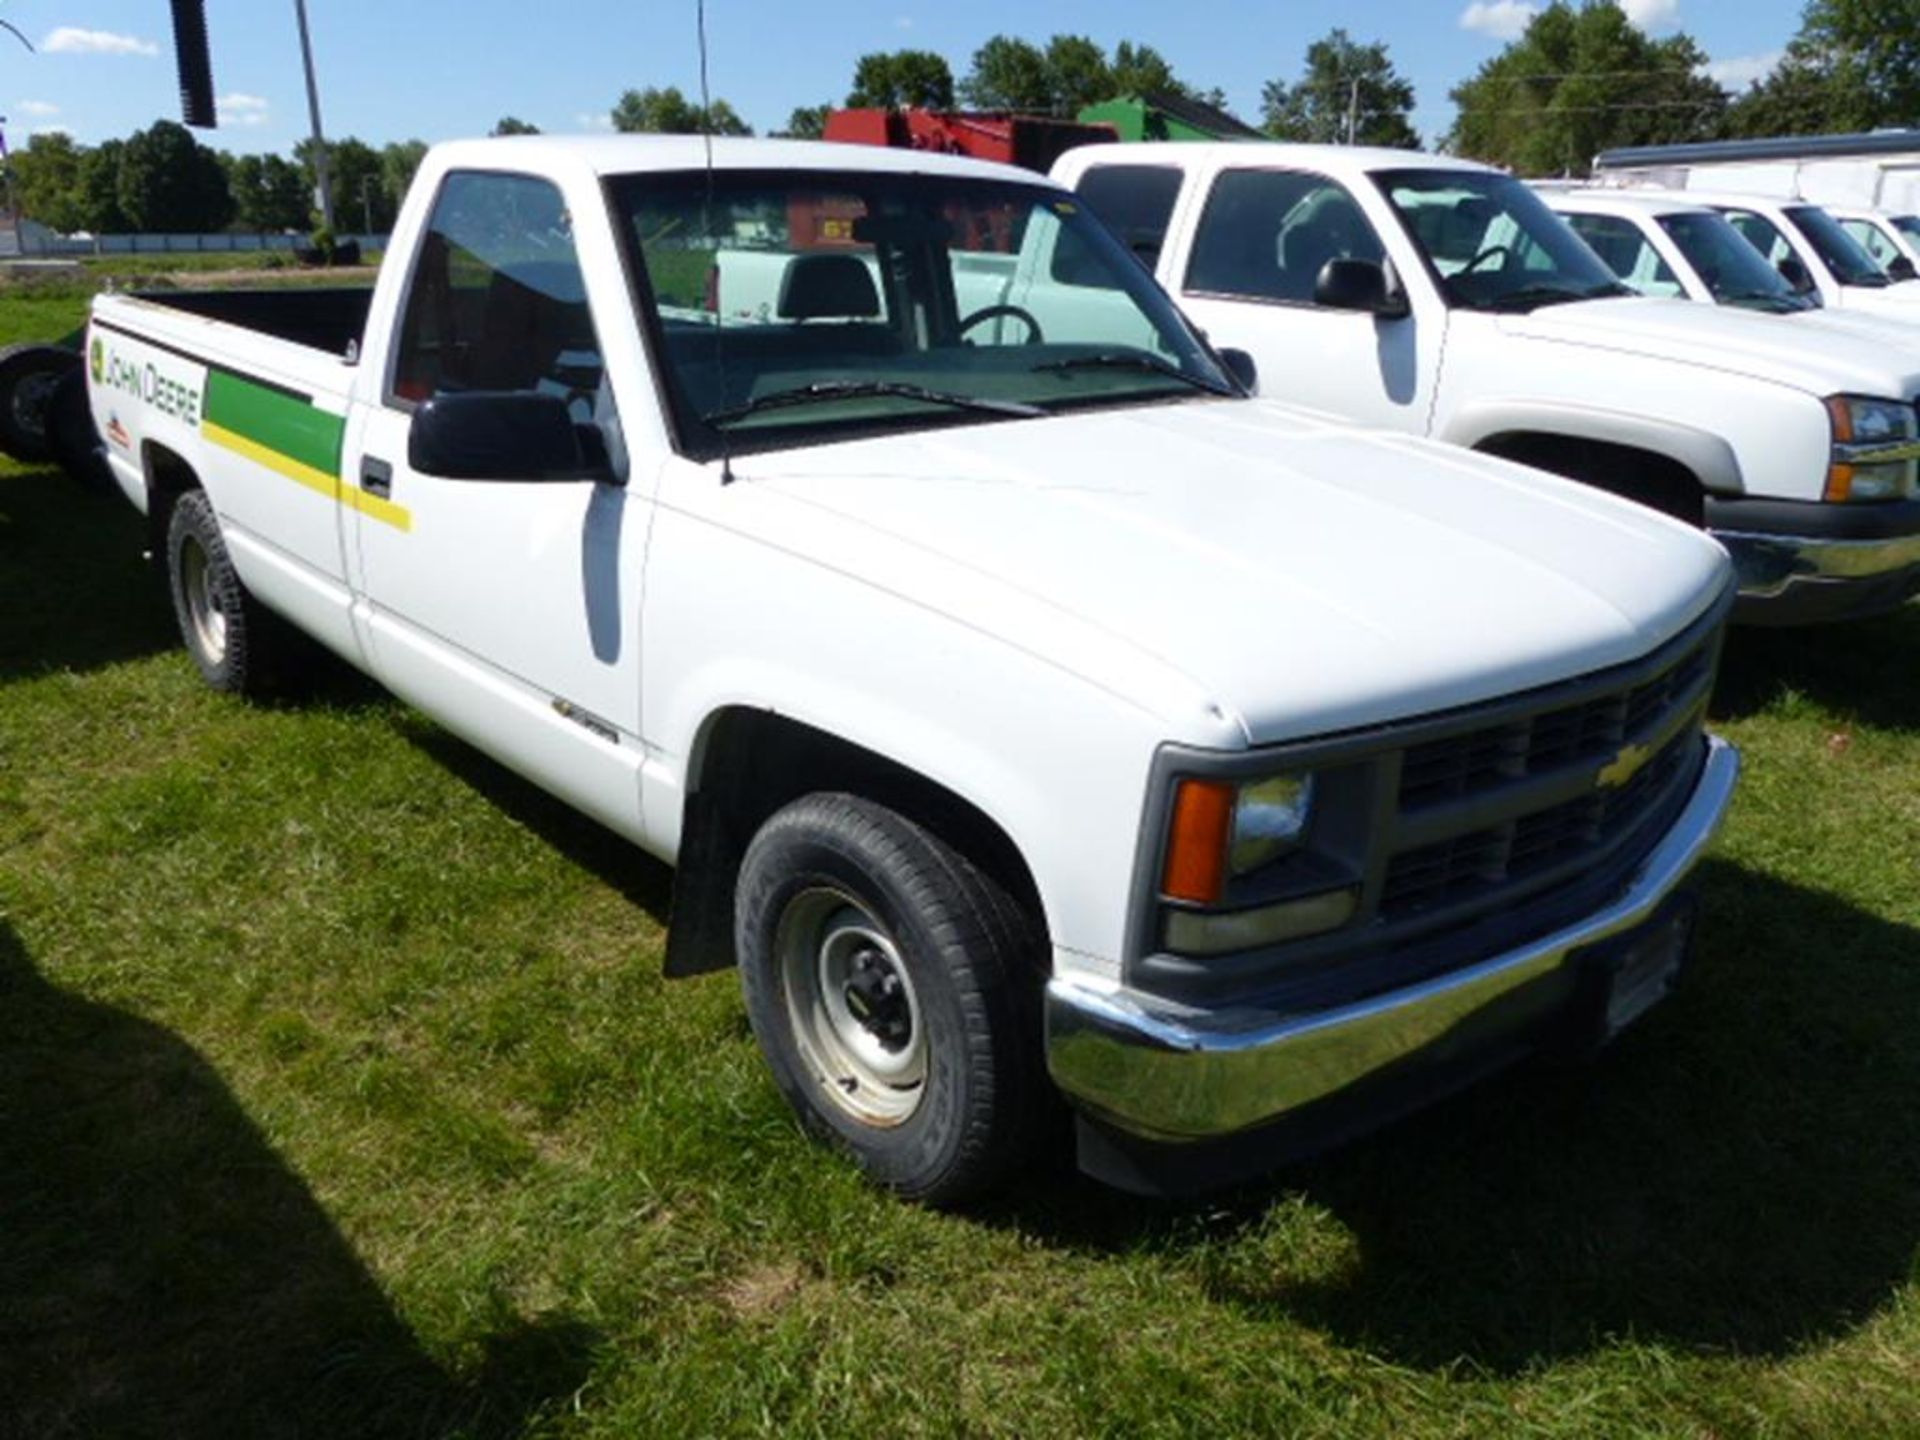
(1442,298)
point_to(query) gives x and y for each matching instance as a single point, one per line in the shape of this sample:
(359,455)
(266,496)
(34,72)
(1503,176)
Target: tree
(1579,81)
(169,182)
(356,178)
(1070,74)
(668,112)
(902,78)
(1008,74)
(1854,65)
(45,179)
(513,125)
(807,122)
(399,162)
(1346,86)
(100,189)
(269,193)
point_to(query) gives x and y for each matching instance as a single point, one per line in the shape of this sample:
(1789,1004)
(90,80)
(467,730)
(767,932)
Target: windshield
(1732,269)
(1492,243)
(1850,264)
(795,307)
(1908,225)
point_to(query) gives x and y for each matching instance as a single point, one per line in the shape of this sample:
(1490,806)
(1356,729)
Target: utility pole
(1353,112)
(322,180)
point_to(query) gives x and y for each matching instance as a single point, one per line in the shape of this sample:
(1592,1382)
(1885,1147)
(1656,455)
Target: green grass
(340,1096)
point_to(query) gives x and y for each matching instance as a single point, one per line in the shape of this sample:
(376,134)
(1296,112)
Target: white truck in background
(1441,298)
(1020,702)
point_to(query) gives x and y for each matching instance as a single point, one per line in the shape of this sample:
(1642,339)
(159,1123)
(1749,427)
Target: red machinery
(1032,141)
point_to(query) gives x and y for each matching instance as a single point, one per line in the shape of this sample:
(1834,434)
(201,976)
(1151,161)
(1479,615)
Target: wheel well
(1652,479)
(169,477)
(752,762)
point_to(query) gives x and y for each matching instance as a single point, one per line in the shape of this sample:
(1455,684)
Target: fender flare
(1708,456)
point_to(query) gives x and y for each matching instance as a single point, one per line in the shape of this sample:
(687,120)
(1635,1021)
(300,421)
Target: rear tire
(239,646)
(891,984)
(28,375)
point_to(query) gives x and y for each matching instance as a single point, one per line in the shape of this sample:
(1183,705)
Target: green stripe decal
(281,423)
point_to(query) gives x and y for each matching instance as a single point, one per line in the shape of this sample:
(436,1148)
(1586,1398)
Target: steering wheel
(1486,254)
(994,312)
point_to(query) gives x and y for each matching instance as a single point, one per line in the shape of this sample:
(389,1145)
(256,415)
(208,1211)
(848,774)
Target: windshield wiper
(829,390)
(1532,297)
(1778,303)
(1117,360)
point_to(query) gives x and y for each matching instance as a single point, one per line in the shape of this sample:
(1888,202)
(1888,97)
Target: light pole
(323,189)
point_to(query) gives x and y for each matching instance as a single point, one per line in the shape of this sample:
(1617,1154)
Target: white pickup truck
(1015,696)
(1442,298)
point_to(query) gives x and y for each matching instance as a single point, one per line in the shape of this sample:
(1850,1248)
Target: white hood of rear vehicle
(1820,361)
(1289,575)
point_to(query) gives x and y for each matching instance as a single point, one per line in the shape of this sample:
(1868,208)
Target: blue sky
(438,69)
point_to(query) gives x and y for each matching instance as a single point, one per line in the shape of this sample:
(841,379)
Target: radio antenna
(706,224)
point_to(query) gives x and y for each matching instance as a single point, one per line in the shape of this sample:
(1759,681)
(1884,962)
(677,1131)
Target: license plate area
(1642,969)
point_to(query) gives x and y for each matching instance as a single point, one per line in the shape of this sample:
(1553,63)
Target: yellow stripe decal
(330,486)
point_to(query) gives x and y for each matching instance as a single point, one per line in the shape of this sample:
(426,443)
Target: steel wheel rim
(851,1006)
(209,621)
(31,397)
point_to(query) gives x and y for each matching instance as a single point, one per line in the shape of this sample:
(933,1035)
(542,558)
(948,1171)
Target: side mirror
(1794,271)
(1901,268)
(504,435)
(1360,285)
(1240,365)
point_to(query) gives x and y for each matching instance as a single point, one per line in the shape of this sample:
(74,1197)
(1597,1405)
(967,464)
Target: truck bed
(319,319)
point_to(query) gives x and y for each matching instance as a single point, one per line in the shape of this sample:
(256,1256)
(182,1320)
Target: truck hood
(1718,337)
(1901,301)
(1883,328)
(1283,574)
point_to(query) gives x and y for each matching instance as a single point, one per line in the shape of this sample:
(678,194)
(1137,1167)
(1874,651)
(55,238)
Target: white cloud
(243,110)
(595,120)
(1498,19)
(903,22)
(1652,15)
(39,109)
(1740,71)
(70,40)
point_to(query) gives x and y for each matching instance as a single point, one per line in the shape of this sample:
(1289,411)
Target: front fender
(1707,455)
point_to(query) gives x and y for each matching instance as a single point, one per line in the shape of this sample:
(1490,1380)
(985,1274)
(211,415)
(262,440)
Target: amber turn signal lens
(1196,868)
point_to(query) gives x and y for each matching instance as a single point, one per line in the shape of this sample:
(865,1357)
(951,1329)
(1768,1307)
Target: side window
(1758,232)
(1136,202)
(498,300)
(1628,253)
(1269,233)
(1873,239)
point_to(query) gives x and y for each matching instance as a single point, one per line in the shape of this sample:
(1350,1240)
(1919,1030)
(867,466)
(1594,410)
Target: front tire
(890,984)
(237,644)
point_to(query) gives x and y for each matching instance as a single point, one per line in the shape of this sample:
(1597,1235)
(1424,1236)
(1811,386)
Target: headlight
(1876,449)
(1221,831)
(1269,816)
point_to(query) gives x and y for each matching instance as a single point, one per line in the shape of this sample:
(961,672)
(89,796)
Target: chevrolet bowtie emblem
(1624,766)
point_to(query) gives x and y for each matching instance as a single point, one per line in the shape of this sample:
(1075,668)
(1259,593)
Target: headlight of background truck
(1876,448)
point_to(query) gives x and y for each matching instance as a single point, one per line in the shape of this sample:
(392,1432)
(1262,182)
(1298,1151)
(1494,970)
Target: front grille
(1595,728)
(1469,866)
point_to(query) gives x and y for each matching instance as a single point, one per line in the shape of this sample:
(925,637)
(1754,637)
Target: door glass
(1135,201)
(1871,240)
(1628,253)
(1269,233)
(498,301)
(1759,232)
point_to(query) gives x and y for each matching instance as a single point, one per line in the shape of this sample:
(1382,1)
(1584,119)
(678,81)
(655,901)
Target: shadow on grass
(1865,669)
(636,875)
(164,1273)
(77,593)
(1742,1172)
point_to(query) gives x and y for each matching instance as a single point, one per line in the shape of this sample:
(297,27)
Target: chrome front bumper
(1169,1073)
(1794,579)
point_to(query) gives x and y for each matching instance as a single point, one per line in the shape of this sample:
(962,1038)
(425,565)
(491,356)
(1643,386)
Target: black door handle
(376,477)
